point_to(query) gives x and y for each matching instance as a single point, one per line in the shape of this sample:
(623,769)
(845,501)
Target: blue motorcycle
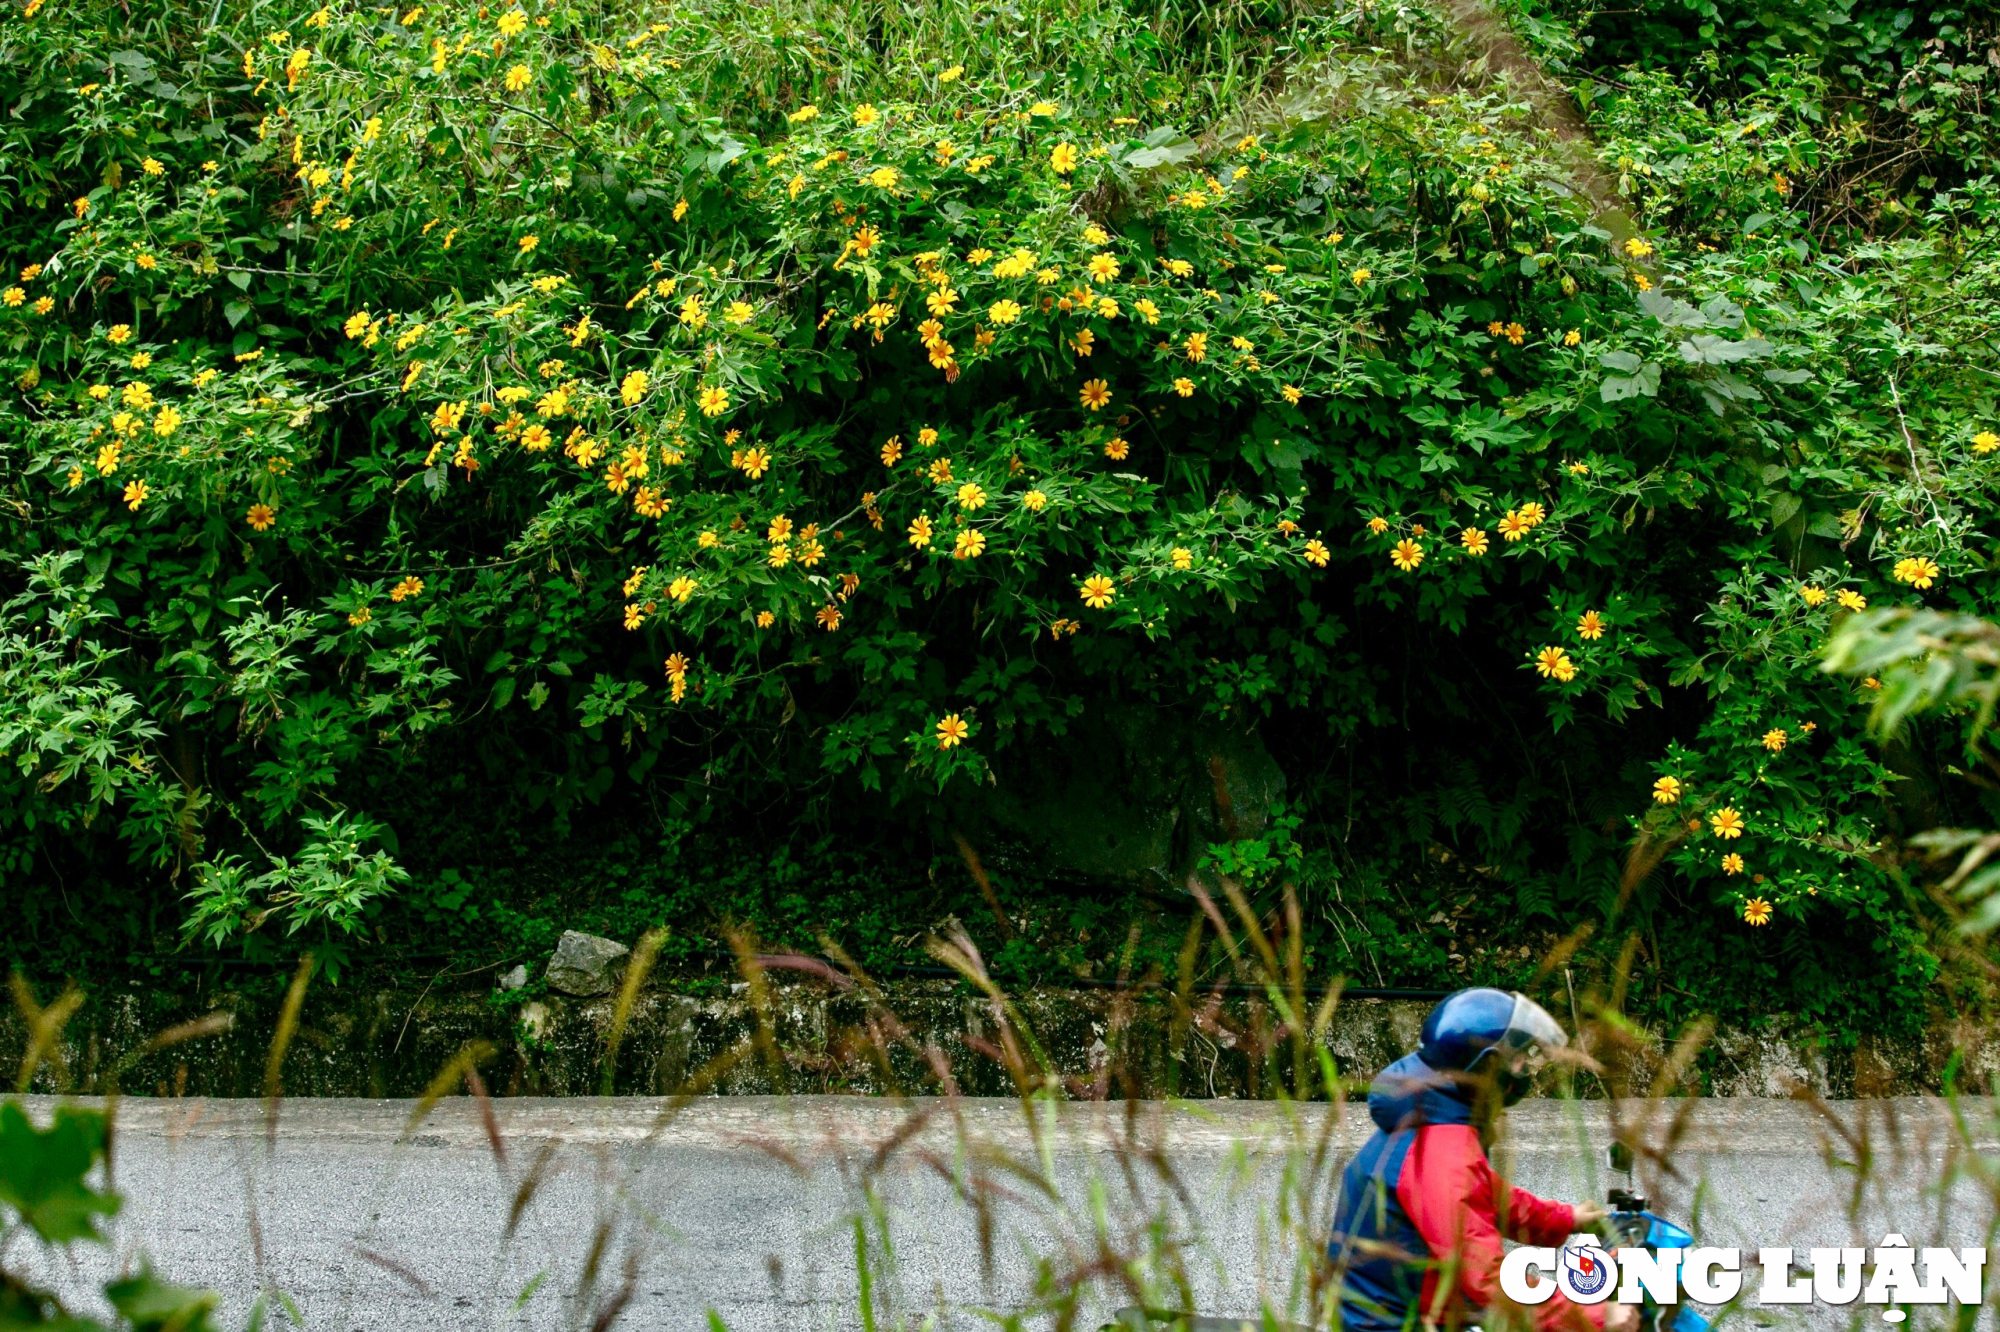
(1632,1225)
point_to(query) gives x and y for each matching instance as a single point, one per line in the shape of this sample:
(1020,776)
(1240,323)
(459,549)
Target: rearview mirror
(1620,1156)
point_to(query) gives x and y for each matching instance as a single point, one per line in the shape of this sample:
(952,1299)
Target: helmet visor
(1530,1030)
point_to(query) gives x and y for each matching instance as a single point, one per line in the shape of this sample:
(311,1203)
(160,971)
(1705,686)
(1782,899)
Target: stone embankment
(911,1037)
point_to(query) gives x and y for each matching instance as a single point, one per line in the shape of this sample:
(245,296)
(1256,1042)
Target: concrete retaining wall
(393,1043)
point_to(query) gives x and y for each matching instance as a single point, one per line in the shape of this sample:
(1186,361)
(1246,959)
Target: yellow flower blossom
(1917,571)
(1554,663)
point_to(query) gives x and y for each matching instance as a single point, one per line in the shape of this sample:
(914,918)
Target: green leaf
(42,1172)
(1646,383)
(152,1305)
(1670,312)
(1707,349)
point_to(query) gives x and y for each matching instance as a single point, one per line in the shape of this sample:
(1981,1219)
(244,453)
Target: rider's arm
(1527,1219)
(1447,1188)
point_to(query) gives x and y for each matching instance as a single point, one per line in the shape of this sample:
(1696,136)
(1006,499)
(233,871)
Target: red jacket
(1462,1209)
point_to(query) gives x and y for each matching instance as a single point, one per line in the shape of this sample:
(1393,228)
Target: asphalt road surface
(756,1208)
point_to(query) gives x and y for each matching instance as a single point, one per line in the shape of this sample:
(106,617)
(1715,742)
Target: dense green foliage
(447,444)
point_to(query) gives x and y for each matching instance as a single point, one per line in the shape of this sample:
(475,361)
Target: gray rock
(586,964)
(516,978)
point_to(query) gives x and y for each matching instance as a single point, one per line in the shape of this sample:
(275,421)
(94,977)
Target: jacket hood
(1410,1092)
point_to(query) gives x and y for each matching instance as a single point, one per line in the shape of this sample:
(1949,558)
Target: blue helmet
(1468,1026)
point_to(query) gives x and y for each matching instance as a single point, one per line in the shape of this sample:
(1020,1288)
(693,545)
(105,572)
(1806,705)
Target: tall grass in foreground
(1070,1237)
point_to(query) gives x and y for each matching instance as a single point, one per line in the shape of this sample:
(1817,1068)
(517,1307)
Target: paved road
(749,1206)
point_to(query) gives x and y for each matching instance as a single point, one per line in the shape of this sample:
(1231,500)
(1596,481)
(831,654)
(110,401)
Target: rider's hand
(1588,1214)
(1621,1317)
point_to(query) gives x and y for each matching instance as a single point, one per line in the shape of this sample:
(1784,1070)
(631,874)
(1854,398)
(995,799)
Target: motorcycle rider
(1417,1233)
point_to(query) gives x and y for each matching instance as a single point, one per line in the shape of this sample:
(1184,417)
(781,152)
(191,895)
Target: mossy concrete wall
(917,1036)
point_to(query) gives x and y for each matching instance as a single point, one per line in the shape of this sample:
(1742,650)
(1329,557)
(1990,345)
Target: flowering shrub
(505,390)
